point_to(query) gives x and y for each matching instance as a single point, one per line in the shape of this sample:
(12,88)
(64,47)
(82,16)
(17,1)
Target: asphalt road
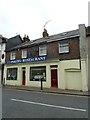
(29,104)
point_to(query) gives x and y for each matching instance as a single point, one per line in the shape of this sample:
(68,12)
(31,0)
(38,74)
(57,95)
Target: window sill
(12,59)
(43,55)
(64,52)
(24,57)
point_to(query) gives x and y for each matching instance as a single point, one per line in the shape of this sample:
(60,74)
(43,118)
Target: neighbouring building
(6,45)
(88,56)
(2,55)
(59,60)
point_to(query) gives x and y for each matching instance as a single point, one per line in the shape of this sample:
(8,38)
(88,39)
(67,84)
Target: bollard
(41,84)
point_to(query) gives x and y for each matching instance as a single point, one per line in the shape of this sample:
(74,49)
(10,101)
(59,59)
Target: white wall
(70,76)
(73,80)
(3,46)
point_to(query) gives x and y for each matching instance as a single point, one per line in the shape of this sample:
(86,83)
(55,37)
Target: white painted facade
(3,46)
(70,74)
(2,50)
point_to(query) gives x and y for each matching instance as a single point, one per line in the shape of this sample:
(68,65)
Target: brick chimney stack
(26,38)
(45,33)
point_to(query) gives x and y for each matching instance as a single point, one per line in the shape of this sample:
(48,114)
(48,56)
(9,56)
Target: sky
(29,16)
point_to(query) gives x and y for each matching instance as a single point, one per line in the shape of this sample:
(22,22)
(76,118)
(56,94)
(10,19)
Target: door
(54,81)
(23,76)
(73,80)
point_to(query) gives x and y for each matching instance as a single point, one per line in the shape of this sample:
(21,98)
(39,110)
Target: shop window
(38,73)
(63,47)
(11,73)
(24,53)
(13,55)
(42,50)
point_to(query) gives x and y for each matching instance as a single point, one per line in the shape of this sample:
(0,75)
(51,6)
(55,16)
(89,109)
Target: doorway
(23,76)
(54,80)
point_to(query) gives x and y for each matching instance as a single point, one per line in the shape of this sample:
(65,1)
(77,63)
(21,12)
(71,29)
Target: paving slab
(50,90)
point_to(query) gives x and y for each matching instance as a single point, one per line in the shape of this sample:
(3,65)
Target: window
(42,50)
(11,73)
(63,47)
(38,73)
(13,55)
(24,53)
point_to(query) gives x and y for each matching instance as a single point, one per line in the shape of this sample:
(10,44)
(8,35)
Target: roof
(2,39)
(52,38)
(12,42)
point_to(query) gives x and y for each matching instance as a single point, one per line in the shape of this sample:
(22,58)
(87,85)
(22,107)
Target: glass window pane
(38,73)
(42,50)
(24,53)
(13,55)
(63,48)
(11,73)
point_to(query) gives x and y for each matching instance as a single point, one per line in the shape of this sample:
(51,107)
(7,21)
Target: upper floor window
(42,50)
(13,55)
(24,53)
(63,47)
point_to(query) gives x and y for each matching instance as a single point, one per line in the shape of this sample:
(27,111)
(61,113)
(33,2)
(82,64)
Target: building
(2,55)
(88,56)
(6,45)
(59,60)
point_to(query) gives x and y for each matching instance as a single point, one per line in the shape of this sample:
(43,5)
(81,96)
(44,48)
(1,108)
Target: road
(31,104)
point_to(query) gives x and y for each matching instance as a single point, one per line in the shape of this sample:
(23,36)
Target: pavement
(50,90)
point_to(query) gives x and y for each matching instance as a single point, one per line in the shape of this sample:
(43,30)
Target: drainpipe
(80,63)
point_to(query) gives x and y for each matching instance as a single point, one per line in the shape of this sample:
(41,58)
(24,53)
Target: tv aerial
(46,23)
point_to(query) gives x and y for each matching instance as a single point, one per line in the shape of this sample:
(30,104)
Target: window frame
(42,47)
(13,55)
(40,73)
(24,56)
(62,46)
(10,78)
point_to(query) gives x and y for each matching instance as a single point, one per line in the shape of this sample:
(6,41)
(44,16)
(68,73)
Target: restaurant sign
(36,59)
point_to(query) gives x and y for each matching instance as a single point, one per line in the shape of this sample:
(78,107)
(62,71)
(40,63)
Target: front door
(54,81)
(23,76)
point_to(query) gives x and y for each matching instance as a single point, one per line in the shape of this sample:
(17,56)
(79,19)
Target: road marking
(48,105)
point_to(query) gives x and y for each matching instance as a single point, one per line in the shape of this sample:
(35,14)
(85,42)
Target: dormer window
(24,53)
(63,46)
(13,55)
(42,50)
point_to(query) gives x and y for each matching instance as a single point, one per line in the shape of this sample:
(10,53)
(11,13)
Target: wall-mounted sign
(43,58)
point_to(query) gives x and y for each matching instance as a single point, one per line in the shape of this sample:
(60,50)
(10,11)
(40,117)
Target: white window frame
(13,55)
(24,53)
(42,48)
(64,47)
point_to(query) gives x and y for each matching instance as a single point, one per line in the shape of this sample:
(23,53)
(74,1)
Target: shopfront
(31,74)
(57,74)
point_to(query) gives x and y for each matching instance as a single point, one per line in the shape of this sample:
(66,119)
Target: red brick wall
(52,51)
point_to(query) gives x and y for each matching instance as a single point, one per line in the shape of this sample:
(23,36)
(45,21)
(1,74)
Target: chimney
(45,33)
(26,38)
